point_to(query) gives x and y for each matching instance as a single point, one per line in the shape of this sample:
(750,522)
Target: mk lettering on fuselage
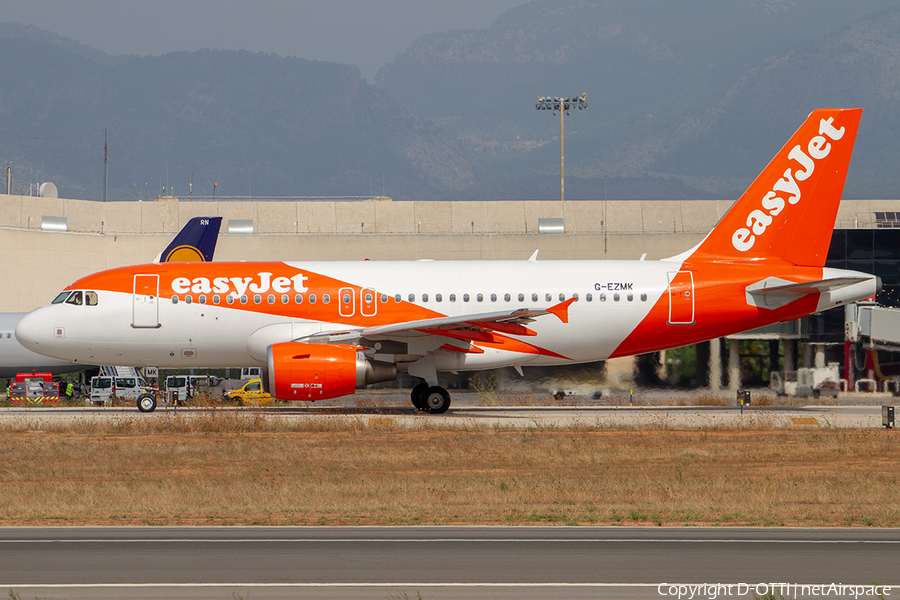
(238,286)
(774,201)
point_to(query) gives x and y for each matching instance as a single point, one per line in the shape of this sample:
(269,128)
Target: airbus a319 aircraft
(323,329)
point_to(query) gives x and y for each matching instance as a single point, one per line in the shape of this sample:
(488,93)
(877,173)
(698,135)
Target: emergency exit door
(146,301)
(681,298)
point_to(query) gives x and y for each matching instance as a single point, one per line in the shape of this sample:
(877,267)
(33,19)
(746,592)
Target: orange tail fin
(788,212)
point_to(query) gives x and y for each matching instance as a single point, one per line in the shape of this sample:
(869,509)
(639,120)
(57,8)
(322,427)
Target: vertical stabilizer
(196,242)
(788,212)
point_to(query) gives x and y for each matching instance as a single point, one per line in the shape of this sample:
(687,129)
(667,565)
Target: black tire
(146,403)
(418,396)
(436,400)
(238,401)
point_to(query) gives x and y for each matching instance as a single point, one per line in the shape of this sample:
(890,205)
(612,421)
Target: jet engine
(300,371)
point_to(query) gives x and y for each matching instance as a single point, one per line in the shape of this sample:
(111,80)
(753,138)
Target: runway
(440,562)
(468,415)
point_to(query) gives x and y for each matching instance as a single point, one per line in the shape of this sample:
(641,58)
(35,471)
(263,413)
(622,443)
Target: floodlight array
(566,103)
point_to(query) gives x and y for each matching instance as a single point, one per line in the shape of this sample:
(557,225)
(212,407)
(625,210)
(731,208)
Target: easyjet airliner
(323,329)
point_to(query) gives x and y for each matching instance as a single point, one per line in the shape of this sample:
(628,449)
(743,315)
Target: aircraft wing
(504,322)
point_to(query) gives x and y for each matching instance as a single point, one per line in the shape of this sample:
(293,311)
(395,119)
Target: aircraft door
(681,298)
(146,301)
(347,299)
(368,302)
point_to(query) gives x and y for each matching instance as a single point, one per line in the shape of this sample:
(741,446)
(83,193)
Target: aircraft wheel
(146,403)
(418,396)
(437,400)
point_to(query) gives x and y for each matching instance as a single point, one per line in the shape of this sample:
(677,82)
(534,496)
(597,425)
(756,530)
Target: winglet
(534,256)
(561,310)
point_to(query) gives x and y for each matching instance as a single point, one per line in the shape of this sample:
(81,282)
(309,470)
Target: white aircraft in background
(196,241)
(322,329)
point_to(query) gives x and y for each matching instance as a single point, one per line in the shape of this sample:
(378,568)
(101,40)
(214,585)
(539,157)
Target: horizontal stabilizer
(774,293)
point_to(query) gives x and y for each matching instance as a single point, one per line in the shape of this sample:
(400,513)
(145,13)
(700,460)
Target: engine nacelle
(299,371)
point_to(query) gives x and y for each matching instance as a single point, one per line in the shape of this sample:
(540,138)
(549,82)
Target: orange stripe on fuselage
(195,279)
(721,306)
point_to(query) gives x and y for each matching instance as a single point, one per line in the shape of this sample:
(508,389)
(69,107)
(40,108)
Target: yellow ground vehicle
(250,393)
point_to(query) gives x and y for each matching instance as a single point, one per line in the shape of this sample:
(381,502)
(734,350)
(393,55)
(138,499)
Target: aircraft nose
(29,331)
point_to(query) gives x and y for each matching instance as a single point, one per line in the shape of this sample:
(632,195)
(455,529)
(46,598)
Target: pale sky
(366,33)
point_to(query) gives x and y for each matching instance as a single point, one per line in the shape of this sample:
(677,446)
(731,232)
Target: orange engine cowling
(299,371)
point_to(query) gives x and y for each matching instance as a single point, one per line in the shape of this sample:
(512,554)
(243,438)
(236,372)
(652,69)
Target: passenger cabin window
(412,297)
(175,300)
(549,297)
(438,298)
(285,298)
(270,299)
(424,297)
(521,297)
(61,297)
(298,299)
(452,297)
(326,298)
(216,299)
(493,297)
(643,297)
(229,299)
(480,297)
(312,298)
(201,299)
(384,298)
(465,297)
(397,298)
(506,297)
(534,297)
(188,299)
(257,299)
(244,299)
(75,298)
(91,298)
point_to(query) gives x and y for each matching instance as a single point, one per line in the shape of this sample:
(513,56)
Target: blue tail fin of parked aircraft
(196,242)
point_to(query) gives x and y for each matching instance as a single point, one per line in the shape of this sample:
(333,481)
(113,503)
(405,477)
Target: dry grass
(246,469)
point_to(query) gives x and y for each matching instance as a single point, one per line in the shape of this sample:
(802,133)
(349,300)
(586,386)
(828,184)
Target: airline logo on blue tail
(196,242)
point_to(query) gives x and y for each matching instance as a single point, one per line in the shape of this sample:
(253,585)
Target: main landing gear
(433,399)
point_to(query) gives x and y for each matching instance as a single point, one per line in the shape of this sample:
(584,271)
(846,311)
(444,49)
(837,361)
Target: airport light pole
(563,105)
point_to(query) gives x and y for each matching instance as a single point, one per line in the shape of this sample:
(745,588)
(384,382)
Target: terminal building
(51,242)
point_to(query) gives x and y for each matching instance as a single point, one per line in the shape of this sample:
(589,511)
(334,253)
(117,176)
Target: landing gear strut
(433,399)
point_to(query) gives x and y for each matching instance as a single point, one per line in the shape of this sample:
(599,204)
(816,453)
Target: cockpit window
(61,297)
(75,298)
(90,298)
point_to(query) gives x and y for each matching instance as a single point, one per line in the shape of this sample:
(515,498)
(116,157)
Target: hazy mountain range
(687,100)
